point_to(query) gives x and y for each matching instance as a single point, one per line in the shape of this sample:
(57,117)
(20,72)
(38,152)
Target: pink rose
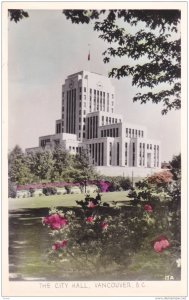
(104,225)
(148,208)
(59,245)
(91,204)
(56,246)
(89,219)
(160,244)
(157,247)
(164,244)
(55,221)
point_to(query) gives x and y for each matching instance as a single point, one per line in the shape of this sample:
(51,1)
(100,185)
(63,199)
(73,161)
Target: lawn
(62,200)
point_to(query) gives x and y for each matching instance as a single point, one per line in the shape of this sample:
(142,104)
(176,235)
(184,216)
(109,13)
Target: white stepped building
(88,122)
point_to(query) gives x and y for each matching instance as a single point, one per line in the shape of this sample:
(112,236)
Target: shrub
(31,191)
(68,189)
(125,183)
(47,191)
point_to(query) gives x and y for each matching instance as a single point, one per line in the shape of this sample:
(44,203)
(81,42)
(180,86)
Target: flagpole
(89,57)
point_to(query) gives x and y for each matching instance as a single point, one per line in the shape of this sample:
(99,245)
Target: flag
(89,56)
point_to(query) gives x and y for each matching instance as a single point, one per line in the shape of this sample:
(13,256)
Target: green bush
(47,191)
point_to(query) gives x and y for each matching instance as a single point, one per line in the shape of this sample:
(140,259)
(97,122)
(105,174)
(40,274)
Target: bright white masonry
(88,121)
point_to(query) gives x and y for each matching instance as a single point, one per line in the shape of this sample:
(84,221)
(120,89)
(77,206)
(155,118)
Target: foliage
(49,166)
(11,189)
(176,167)
(155,45)
(99,233)
(47,191)
(32,192)
(18,169)
(17,14)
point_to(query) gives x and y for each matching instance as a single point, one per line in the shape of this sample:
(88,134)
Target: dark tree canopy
(17,14)
(157,43)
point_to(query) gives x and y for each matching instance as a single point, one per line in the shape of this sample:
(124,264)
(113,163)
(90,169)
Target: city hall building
(88,121)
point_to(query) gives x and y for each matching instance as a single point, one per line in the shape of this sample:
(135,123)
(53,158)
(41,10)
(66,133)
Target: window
(106,120)
(94,92)
(85,89)
(90,91)
(80,112)
(150,146)
(101,133)
(117,132)
(84,97)
(142,133)
(79,97)
(79,104)
(79,120)
(117,154)
(126,132)
(114,132)
(84,120)
(111,132)
(83,134)
(147,146)
(110,120)
(102,120)
(79,127)
(112,96)
(80,89)
(104,133)
(108,132)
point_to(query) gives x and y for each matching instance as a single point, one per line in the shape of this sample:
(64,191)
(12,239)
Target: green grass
(61,200)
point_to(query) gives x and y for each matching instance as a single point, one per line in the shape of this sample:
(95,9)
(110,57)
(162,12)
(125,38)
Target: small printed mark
(169,277)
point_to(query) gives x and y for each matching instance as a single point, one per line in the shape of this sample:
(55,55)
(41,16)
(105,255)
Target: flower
(89,219)
(91,204)
(148,208)
(160,244)
(59,245)
(157,247)
(104,225)
(55,221)
(164,244)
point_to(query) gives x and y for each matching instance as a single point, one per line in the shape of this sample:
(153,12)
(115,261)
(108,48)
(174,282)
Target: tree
(153,50)
(41,164)
(18,170)
(61,162)
(83,168)
(17,14)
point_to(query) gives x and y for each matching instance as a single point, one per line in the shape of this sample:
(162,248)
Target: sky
(42,51)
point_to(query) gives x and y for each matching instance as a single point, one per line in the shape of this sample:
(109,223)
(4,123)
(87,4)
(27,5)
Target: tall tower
(82,93)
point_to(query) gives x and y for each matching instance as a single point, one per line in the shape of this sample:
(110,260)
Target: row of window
(44,142)
(134,133)
(110,120)
(112,132)
(149,146)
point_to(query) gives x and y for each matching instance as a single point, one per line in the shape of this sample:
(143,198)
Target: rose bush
(101,238)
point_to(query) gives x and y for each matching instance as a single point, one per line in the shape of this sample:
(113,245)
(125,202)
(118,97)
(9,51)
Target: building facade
(88,121)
